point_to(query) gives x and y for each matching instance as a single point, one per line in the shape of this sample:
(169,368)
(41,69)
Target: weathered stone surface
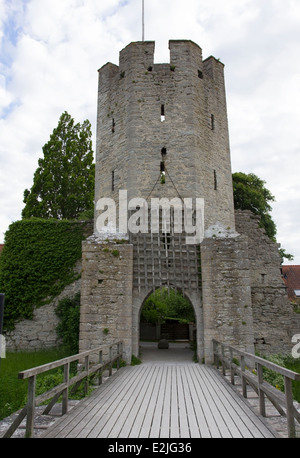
(40,332)
(274,319)
(106,295)
(226,292)
(131,134)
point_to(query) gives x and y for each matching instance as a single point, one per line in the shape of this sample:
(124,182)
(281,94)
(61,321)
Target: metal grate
(164,259)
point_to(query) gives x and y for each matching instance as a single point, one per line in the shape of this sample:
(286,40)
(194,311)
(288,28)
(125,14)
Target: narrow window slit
(113,125)
(113,180)
(162,173)
(215,181)
(162,113)
(162,166)
(212,122)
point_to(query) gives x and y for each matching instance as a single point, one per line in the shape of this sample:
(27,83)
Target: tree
(163,304)
(250,193)
(63,184)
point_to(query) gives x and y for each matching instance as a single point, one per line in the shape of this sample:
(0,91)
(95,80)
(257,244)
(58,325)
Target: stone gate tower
(162,132)
(178,108)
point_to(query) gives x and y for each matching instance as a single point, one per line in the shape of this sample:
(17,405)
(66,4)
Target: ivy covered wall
(37,262)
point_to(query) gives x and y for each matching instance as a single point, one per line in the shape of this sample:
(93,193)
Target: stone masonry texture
(194,132)
(106,295)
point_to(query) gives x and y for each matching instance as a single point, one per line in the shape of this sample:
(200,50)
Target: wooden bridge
(170,397)
(162,401)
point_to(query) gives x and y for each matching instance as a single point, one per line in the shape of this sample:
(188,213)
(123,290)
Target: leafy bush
(68,310)
(135,361)
(36,263)
(163,304)
(276,379)
(273,377)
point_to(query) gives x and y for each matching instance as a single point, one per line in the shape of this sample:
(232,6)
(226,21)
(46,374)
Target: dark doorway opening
(167,316)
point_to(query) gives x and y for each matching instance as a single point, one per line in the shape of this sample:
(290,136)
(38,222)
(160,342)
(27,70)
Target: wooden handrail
(225,355)
(62,389)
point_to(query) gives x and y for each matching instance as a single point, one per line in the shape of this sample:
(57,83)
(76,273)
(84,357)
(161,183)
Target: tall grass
(13,391)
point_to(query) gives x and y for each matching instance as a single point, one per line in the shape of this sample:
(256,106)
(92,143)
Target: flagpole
(143,20)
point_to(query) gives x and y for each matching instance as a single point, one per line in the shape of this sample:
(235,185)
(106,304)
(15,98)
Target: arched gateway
(164,210)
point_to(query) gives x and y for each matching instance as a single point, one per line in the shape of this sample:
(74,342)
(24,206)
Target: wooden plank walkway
(162,400)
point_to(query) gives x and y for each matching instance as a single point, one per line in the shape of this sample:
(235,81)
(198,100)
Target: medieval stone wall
(274,319)
(40,332)
(243,293)
(106,294)
(226,293)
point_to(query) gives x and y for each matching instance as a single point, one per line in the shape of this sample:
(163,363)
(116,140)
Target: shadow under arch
(193,297)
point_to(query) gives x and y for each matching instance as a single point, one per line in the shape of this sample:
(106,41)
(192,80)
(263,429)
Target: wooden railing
(86,370)
(239,362)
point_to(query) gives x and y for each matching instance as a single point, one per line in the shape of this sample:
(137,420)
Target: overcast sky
(50,51)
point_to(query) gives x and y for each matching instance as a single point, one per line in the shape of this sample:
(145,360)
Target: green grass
(13,392)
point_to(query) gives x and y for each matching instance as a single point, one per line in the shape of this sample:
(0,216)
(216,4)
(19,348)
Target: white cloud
(51,51)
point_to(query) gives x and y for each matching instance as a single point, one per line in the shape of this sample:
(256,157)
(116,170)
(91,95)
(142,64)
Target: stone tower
(162,132)
(179,109)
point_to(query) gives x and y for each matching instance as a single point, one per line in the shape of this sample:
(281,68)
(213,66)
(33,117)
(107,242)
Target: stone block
(163,344)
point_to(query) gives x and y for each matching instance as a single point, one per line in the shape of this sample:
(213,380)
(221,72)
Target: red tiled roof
(291,278)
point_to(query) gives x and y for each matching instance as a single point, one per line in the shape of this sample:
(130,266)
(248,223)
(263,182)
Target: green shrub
(276,379)
(36,263)
(273,377)
(135,361)
(68,310)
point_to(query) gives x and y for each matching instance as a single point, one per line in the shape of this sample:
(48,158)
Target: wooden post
(100,370)
(216,354)
(110,358)
(244,383)
(223,361)
(289,407)
(30,406)
(231,366)
(65,395)
(261,394)
(86,366)
(118,352)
